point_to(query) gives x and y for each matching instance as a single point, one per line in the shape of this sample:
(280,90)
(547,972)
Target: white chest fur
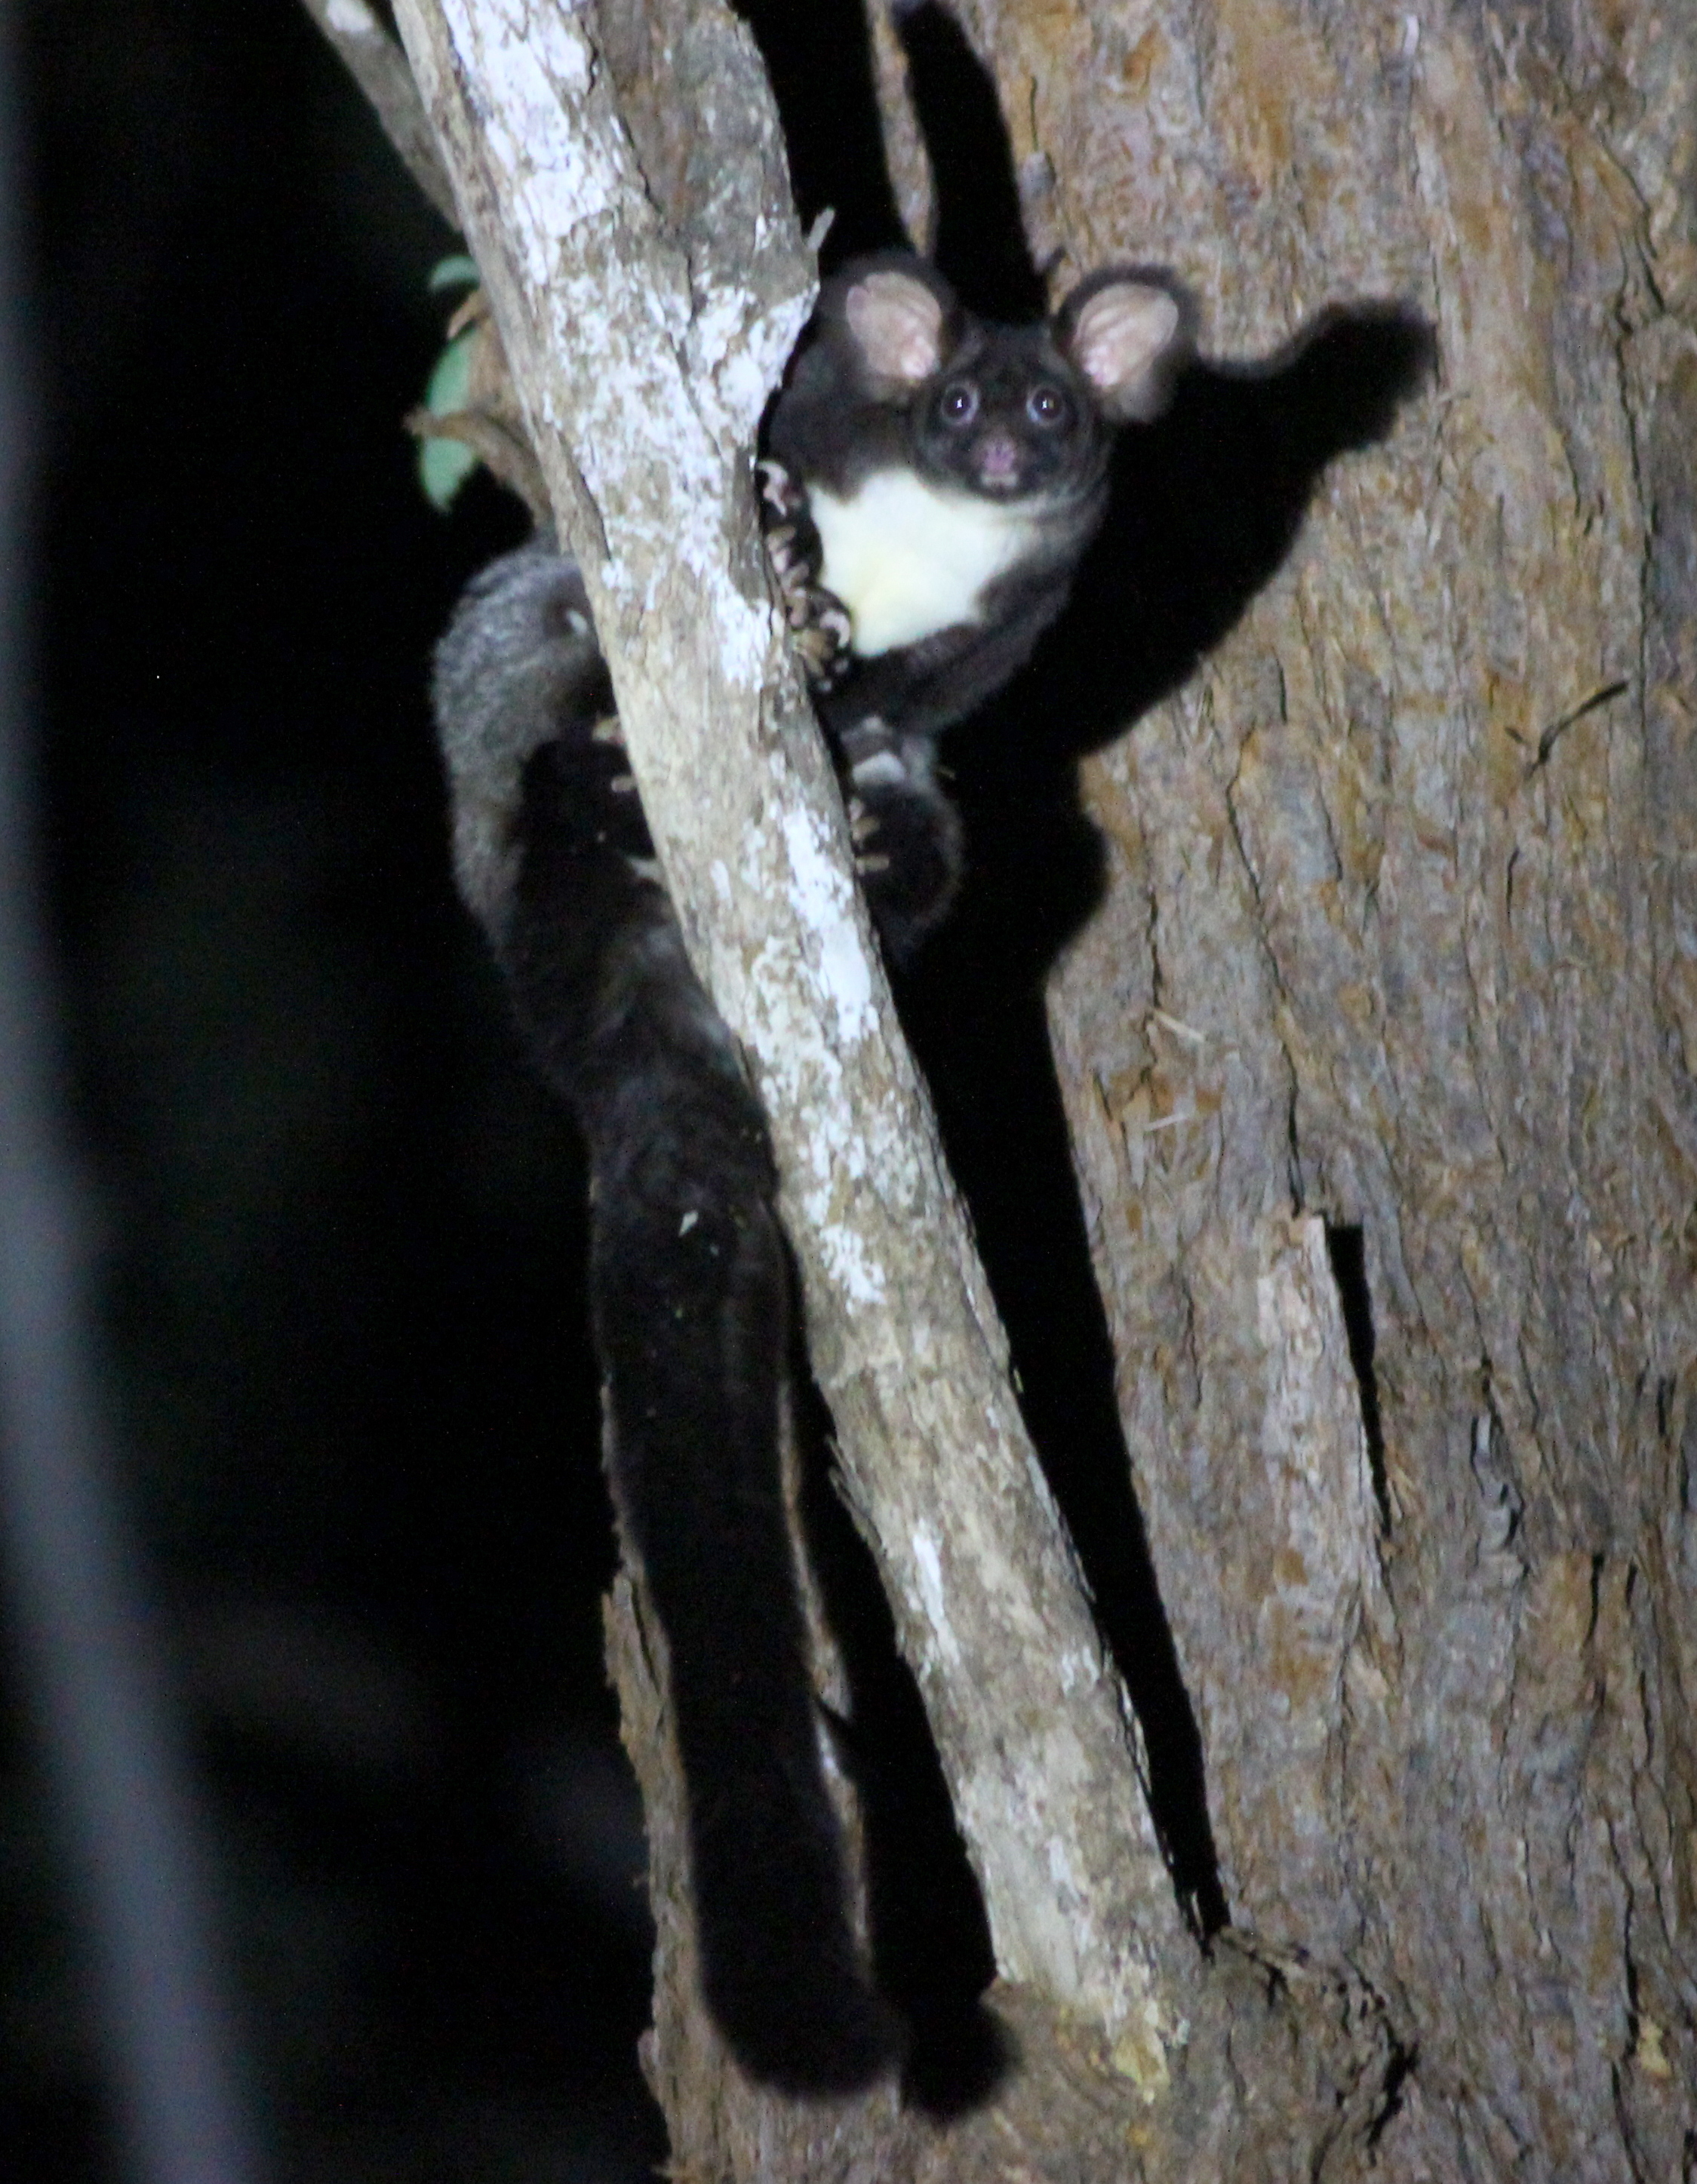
(907,558)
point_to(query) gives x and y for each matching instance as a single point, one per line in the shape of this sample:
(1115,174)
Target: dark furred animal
(937,479)
(934,480)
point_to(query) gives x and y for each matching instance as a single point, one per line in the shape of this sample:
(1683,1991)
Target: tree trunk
(1400,940)
(1378,1061)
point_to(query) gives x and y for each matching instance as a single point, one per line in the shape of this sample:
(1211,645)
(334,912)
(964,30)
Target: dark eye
(1047,405)
(958,404)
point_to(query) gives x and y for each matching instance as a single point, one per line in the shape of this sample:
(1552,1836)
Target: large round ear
(897,320)
(1127,335)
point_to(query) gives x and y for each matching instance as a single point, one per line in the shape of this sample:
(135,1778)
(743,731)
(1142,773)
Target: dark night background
(339,1233)
(339,1230)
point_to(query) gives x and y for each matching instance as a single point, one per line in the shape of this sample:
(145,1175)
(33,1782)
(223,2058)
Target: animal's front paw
(780,490)
(823,640)
(819,624)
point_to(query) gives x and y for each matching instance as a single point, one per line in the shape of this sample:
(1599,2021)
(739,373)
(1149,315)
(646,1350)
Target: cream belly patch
(907,558)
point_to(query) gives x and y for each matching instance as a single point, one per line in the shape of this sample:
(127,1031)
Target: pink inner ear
(1120,333)
(898,323)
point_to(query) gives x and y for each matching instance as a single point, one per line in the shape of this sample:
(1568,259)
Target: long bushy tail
(690,1290)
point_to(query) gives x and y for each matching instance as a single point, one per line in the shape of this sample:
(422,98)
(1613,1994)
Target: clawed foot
(863,831)
(905,832)
(819,624)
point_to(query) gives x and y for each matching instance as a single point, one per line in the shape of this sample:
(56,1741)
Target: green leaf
(444,466)
(458,272)
(451,379)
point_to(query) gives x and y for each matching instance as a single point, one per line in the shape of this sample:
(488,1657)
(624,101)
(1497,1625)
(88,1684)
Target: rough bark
(622,184)
(1399,938)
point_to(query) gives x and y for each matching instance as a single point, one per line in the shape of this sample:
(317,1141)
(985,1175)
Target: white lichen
(928,1563)
(819,891)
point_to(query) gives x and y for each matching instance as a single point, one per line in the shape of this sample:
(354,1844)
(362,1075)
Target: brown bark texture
(1400,939)
(643,266)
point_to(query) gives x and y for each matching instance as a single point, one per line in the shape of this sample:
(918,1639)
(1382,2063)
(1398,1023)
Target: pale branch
(648,287)
(379,67)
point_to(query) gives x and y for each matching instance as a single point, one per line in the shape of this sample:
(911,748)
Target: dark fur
(838,420)
(689,1287)
(688,1273)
